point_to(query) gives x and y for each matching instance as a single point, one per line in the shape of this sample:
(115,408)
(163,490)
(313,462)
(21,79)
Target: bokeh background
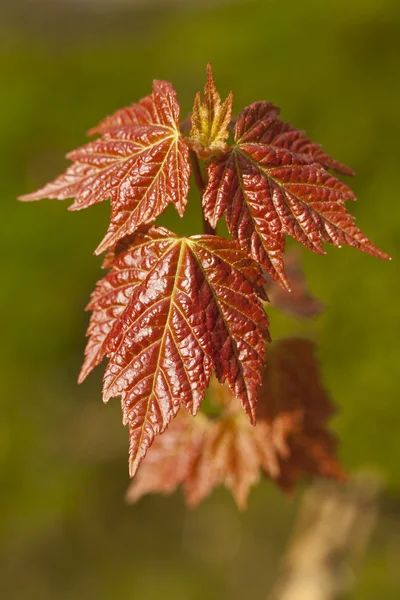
(333,67)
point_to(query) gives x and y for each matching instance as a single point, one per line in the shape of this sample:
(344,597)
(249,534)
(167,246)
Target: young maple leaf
(293,398)
(201,454)
(141,163)
(210,120)
(289,440)
(170,310)
(273,182)
(233,454)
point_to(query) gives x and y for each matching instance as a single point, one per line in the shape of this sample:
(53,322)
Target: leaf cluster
(174,313)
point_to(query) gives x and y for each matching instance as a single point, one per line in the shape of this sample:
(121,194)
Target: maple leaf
(170,310)
(201,454)
(233,454)
(294,401)
(142,164)
(290,439)
(273,182)
(210,120)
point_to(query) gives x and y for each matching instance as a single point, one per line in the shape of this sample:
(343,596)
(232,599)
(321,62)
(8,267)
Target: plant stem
(198,177)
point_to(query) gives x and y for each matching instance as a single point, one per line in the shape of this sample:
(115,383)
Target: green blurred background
(333,67)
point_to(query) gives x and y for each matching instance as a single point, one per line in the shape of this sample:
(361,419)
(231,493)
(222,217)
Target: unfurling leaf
(273,182)
(210,120)
(141,163)
(170,310)
(290,439)
(202,453)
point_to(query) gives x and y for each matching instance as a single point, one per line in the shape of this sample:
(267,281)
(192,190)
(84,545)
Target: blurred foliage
(64,529)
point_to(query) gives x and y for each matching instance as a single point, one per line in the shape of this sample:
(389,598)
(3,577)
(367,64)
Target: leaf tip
(106,243)
(283,281)
(252,414)
(93,131)
(107,393)
(133,467)
(100,249)
(82,375)
(31,197)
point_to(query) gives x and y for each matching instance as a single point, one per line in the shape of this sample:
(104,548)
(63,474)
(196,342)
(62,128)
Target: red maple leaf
(170,310)
(141,163)
(273,182)
(290,439)
(201,453)
(294,401)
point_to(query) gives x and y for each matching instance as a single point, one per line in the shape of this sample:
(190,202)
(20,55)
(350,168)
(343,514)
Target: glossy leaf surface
(272,183)
(170,310)
(142,165)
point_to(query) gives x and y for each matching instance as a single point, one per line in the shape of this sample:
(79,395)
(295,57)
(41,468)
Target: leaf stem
(198,177)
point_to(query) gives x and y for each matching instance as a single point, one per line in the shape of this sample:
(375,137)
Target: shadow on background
(333,67)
